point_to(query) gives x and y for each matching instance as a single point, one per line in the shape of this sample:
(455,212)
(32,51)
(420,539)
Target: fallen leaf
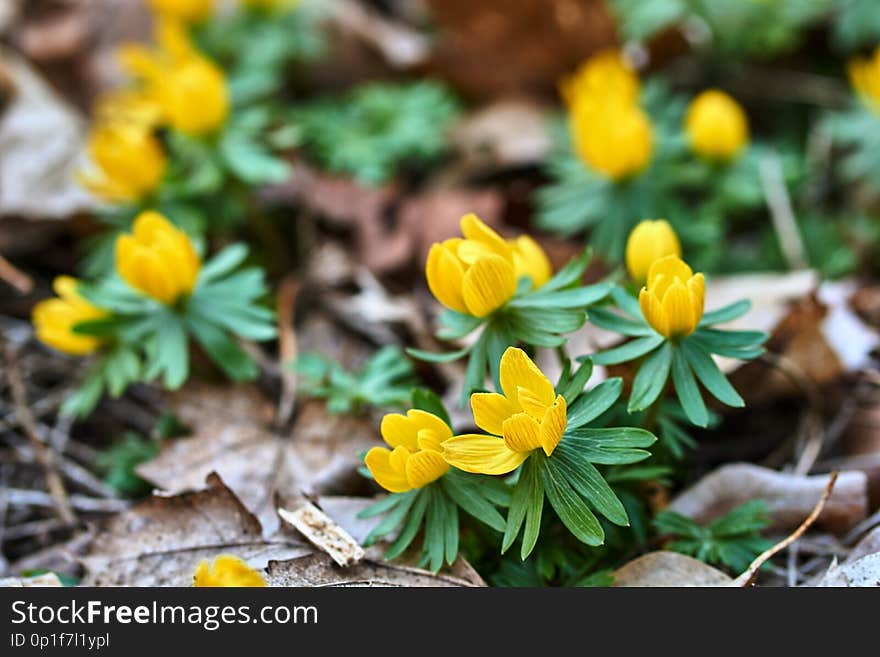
(864,572)
(790,498)
(42,140)
(663,568)
(322,532)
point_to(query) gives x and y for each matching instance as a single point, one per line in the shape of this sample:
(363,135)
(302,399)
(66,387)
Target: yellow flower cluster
(528,416)
(478,273)
(864,74)
(610,132)
(227,571)
(187,91)
(672,299)
(649,241)
(54,319)
(716,126)
(158,259)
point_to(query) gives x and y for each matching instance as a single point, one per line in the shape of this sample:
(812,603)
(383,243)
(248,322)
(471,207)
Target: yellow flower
(414,459)
(649,241)
(158,259)
(478,274)
(716,125)
(188,11)
(128,159)
(227,571)
(528,416)
(864,74)
(54,319)
(613,137)
(189,90)
(672,300)
(133,107)
(606,74)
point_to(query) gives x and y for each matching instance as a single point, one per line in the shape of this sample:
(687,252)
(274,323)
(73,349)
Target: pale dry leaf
(42,141)
(322,532)
(864,572)
(46,579)
(231,436)
(161,541)
(790,498)
(664,569)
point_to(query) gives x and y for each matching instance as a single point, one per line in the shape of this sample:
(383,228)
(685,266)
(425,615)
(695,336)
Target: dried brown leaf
(664,568)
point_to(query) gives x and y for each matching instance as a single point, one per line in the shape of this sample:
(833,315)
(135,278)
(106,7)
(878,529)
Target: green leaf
(430,402)
(435,529)
(709,375)
(712,338)
(475,375)
(498,338)
(224,351)
(589,483)
(628,351)
(435,357)
(610,446)
(223,263)
(468,496)
(650,379)
(457,325)
(534,504)
(575,386)
(570,507)
(727,313)
(412,524)
(173,354)
(402,503)
(626,302)
(570,274)
(610,321)
(687,391)
(593,403)
(580,297)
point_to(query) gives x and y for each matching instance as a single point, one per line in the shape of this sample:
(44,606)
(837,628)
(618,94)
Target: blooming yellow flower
(189,90)
(716,125)
(415,458)
(672,300)
(864,74)
(649,241)
(54,319)
(613,137)
(477,274)
(158,259)
(188,11)
(528,416)
(604,75)
(227,571)
(129,162)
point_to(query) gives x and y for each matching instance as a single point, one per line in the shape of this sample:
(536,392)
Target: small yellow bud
(613,138)
(414,460)
(864,75)
(527,417)
(649,241)
(157,259)
(187,11)
(478,274)
(227,571)
(604,75)
(54,319)
(194,97)
(129,162)
(716,125)
(672,300)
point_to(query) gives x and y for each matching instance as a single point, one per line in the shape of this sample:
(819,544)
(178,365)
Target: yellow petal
(423,420)
(396,429)
(491,409)
(697,287)
(445,276)
(522,433)
(424,467)
(679,309)
(475,229)
(530,260)
(664,271)
(518,371)
(386,474)
(653,312)
(487,285)
(227,571)
(481,454)
(553,425)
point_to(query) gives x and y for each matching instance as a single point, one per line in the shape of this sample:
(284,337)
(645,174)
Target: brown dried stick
(752,571)
(45,457)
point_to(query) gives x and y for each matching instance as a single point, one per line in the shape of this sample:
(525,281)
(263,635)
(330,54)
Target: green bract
(687,360)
